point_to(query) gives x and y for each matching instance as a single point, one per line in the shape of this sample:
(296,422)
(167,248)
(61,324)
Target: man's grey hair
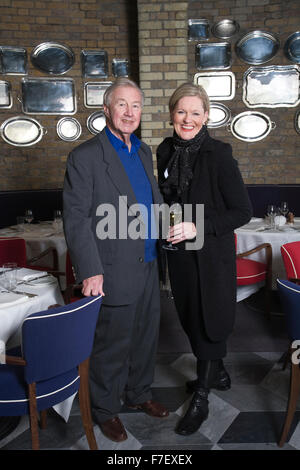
(122,81)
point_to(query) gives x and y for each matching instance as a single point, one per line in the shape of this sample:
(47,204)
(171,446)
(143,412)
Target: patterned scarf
(179,167)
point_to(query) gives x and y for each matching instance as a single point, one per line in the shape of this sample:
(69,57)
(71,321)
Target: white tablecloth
(254,233)
(40,237)
(12,316)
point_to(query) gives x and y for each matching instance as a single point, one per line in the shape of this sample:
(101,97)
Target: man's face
(123,115)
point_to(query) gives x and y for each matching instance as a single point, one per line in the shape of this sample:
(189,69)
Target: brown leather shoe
(152,408)
(114,429)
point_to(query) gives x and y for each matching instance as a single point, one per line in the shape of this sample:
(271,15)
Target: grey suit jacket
(96,176)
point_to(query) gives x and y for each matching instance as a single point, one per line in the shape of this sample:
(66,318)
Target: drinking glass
(28,216)
(271,212)
(284,208)
(57,220)
(9,276)
(175,218)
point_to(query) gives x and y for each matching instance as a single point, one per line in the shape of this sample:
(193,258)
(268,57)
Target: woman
(194,168)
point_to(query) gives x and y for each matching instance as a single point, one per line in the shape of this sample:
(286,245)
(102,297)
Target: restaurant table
(40,237)
(258,231)
(46,292)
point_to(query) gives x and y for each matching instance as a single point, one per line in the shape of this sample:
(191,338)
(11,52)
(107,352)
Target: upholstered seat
(290,253)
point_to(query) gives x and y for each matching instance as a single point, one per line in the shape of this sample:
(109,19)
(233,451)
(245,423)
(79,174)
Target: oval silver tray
(297,121)
(96,122)
(22,131)
(251,126)
(218,85)
(213,55)
(219,115)
(68,129)
(291,47)
(53,58)
(257,47)
(272,87)
(225,29)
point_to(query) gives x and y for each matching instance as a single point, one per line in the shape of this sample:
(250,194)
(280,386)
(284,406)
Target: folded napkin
(25,274)
(10,298)
(280,220)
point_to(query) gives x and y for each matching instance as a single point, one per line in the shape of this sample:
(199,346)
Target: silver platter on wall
(48,96)
(13,60)
(5,94)
(96,122)
(297,121)
(93,93)
(219,115)
(68,129)
(251,126)
(213,55)
(291,47)
(225,29)
(120,67)
(198,30)
(218,85)
(94,64)
(257,47)
(22,131)
(272,87)
(53,58)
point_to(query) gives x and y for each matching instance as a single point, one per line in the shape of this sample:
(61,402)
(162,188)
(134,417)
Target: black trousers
(123,357)
(184,279)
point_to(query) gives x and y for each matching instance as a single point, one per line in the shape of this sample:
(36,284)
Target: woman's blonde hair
(188,89)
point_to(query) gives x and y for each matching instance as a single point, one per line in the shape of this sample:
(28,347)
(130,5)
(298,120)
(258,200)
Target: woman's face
(188,117)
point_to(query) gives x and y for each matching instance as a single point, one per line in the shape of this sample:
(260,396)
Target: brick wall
(152,34)
(108,25)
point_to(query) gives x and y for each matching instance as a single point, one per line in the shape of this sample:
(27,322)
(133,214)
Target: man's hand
(93,285)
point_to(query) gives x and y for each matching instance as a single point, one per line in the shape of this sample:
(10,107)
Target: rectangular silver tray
(93,93)
(271,87)
(13,60)
(198,30)
(218,85)
(5,94)
(213,55)
(48,96)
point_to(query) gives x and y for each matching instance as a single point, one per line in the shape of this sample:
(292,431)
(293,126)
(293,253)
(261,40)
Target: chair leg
(85,405)
(292,403)
(43,419)
(33,415)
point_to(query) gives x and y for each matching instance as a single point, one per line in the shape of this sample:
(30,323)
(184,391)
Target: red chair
(13,250)
(251,272)
(290,253)
(73,290)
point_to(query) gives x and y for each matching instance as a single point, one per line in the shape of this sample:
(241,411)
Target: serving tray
(218,85)
(198,29)
(22,131)
(272,87)
(68,129)
(219,115)
(93,93)
(251,126)
(53,58)
(96,122)
(13,60)
(213,55)
(257,47)
(5,94)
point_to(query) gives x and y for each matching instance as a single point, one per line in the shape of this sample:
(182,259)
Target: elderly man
(107,179)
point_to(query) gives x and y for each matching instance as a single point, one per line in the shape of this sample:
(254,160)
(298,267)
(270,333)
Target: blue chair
(289,294)
(52,365)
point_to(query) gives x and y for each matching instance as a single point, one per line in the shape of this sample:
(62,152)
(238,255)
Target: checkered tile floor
(249,416)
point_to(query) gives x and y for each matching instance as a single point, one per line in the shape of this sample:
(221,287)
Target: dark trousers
(123,357)
(184,279)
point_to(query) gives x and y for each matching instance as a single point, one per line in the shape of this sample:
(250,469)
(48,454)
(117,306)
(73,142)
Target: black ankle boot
(218,377)
(195,415)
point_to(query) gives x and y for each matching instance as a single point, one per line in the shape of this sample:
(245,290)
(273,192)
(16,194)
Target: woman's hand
(93,285)
(181,232)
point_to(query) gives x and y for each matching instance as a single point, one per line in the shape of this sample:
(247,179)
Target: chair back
(290,253)
(289,294)
(57,340)
(13,250)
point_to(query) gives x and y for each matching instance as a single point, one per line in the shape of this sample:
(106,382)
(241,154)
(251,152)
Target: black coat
(216,183)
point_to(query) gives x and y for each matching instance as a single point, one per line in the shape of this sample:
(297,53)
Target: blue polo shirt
(140,184)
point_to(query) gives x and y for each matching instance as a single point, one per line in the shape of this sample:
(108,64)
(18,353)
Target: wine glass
(28,216)
(175,218)
(57,220)
(271,212)
(284,208)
